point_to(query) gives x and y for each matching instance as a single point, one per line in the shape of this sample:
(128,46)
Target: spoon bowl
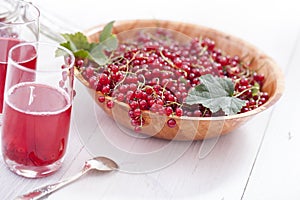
(103,164)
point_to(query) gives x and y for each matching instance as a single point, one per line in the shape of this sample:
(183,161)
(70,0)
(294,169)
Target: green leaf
(216,94)
(67,45)
(106,32)
(77,41)
(82,54)
(111,43)
(99,58)
(97,53)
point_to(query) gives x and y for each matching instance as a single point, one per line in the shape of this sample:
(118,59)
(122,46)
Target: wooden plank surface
(258,161)
(276,174)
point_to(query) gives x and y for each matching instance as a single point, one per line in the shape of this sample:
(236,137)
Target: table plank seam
(286,70)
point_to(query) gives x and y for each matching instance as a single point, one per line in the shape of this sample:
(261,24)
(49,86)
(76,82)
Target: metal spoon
(99,163)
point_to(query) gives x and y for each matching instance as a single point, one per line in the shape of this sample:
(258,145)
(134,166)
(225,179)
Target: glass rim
(34,44)
(36,18)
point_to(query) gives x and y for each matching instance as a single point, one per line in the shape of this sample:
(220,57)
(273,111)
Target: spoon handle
(48,189)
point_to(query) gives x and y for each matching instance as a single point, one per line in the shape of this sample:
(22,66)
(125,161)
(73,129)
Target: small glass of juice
(37,108)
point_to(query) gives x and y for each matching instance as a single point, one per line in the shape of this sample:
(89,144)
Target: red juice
(26,57)
(35,130)
(5,45)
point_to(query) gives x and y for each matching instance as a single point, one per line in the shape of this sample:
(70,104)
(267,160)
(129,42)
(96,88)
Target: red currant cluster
(155,72)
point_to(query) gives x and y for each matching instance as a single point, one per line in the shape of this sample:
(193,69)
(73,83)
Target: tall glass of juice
(37,108)
(19,22)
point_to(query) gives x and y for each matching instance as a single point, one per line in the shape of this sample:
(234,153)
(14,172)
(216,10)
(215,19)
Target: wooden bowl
(195,128)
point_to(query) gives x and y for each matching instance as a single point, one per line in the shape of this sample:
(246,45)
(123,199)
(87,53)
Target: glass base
(32,171)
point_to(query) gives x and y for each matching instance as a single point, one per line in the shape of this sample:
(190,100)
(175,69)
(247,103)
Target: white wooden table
(259,161)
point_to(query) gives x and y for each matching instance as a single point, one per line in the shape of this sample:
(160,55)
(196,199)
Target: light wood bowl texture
(195,128)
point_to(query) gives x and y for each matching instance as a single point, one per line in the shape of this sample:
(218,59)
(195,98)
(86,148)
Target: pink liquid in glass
(5,45)
(36,125)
